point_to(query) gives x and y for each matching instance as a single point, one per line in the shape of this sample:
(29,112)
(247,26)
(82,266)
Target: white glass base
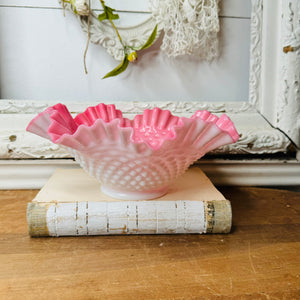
(134,196)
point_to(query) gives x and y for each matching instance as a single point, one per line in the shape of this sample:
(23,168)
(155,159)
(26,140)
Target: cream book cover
(71,204)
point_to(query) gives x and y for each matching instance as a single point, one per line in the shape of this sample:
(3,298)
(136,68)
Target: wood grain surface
(259,259)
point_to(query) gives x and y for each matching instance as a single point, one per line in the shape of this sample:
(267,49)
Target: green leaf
(119,69)
(102,16)
(112,16)
(107,8)
(150,39)
(108,14)
(72,2)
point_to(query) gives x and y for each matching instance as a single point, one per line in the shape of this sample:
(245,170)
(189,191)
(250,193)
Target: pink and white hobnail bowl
(134,159)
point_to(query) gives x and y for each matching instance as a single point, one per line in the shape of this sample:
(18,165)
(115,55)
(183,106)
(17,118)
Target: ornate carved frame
(268,123)
(102,33)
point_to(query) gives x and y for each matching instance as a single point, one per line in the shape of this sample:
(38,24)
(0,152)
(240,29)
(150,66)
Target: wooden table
(260,259)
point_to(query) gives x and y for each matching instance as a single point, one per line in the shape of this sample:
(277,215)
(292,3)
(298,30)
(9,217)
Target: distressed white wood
(116,214)
(16,143)
(128,5)
(97,220)
(149,217)
(228,8)
(267,172)
(194,217)
(61,219)
(42,64)
(30,3)
(180,217)
(274,74)
(33,174)
(137,35)
(166,215)
(132,225)
(286,114)
(235,8)
(266,140)
(81,214)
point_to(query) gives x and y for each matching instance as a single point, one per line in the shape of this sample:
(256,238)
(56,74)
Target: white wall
(41,58)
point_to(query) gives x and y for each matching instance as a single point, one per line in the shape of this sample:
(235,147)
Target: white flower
(82,7)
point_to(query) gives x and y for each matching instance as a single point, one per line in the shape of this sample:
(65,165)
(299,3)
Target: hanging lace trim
(190,26)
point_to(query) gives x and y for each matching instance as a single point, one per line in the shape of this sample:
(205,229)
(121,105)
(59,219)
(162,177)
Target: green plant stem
(64,8)
(113,25)
(88,39)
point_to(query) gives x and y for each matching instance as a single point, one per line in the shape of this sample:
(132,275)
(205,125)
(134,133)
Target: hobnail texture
(134,159)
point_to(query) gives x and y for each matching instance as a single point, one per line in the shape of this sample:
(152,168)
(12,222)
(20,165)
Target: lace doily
(190,26)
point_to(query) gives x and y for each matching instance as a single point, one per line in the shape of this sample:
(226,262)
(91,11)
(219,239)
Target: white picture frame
(268,123)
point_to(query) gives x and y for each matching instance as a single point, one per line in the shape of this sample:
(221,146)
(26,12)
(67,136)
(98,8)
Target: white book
(72,204)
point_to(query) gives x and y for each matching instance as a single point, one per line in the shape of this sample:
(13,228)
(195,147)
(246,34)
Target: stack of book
(71,204)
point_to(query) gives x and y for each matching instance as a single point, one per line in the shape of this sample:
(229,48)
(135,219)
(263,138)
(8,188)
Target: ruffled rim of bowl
(62,124)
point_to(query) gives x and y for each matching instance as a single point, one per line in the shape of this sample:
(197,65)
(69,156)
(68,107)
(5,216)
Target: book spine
(128,217)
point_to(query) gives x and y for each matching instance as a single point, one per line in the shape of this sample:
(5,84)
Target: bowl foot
(134,196)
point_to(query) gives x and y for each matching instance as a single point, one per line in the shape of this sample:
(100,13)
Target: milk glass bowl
(134,159)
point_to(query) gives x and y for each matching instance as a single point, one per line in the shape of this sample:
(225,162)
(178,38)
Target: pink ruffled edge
(56,122)
(223,122)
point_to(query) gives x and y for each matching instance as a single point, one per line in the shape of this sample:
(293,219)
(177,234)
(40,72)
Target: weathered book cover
(71,204)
